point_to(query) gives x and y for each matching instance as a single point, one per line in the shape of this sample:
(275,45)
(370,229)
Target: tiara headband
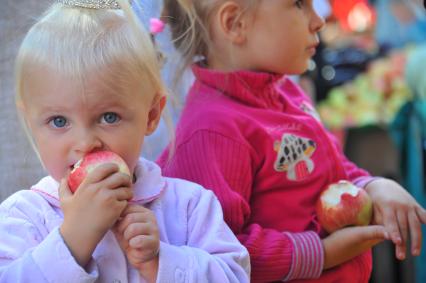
(156,25)
(91,4)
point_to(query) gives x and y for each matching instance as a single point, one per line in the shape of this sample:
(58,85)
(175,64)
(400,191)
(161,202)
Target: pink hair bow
(156,26)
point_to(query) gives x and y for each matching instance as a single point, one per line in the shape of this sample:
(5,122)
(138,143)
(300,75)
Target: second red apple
(344,204)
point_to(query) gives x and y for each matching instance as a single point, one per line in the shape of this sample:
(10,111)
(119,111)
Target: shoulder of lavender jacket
(192,230)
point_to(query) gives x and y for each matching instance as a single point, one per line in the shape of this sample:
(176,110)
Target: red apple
(91,161)
(344,204)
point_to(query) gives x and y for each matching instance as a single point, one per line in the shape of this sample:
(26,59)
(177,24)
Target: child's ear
(154,115)
(232,21)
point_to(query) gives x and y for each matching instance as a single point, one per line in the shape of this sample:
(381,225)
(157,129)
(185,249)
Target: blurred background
(368,80)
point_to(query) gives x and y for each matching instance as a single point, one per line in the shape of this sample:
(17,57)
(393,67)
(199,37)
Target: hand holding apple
(344,204)
(91,161)
(102,196)
(347,243)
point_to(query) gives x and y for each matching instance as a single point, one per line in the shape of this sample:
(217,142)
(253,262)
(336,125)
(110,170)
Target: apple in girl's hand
(344,204)
(89,162)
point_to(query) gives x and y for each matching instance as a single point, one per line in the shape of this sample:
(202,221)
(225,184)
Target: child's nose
(87,141)
(317,22)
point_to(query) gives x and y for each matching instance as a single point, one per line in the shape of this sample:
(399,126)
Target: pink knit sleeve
(224,165)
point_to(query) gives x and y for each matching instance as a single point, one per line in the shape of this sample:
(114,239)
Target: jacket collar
(258,89)
(149,185)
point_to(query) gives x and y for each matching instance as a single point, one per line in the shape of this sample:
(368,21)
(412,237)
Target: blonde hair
(77,41)
(189,21)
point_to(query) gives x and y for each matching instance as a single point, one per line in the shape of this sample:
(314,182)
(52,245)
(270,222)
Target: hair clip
(91,4)
(156,26)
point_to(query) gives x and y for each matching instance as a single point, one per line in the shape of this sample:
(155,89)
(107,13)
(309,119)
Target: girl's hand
(399,212)
(93,209)
(137,234)
(347,243)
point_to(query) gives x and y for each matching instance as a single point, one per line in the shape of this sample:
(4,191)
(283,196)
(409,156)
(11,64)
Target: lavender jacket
(196,244)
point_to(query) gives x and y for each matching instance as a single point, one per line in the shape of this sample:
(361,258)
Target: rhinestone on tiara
(91,4)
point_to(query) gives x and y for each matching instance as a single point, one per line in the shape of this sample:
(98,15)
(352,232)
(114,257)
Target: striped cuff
(308,256)
(362,182)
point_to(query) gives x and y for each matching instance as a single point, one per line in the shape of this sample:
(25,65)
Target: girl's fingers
(415,233)
(421,213)
(144,247)
(401,249)
(134,208)
(116,180)
(137,242)
(119,206)
(100,173)
(134,217)
(146,252)
(391,225)
(135,229)
(373,234)
(403,225)
(124,193)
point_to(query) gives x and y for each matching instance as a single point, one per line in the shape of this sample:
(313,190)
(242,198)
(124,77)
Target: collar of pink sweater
(258,89)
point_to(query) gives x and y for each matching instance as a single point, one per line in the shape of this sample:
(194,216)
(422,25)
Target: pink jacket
(257,142)
(195,243)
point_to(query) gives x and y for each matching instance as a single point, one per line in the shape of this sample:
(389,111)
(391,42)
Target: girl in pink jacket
(88,81)
(251,135)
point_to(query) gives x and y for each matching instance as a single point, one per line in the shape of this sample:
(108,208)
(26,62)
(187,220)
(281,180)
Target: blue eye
(110,118)
(58,121)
